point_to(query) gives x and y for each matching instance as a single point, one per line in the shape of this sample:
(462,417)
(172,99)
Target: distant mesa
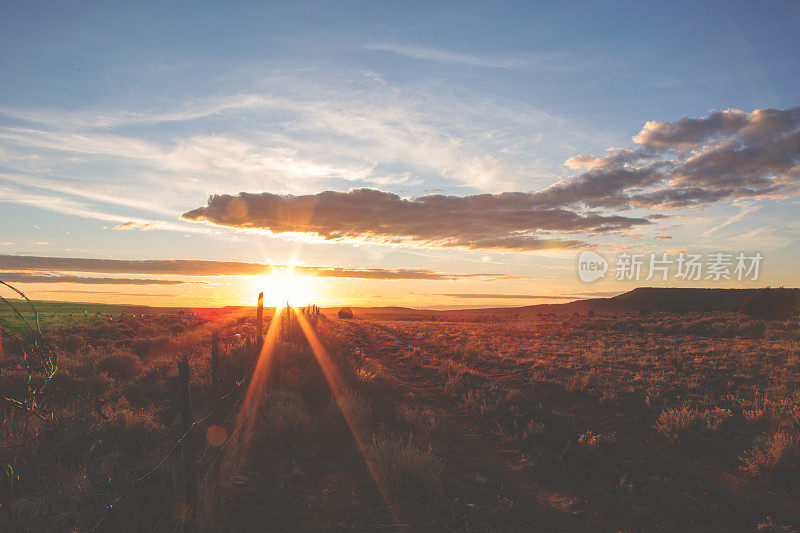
(345,312)
(647,300)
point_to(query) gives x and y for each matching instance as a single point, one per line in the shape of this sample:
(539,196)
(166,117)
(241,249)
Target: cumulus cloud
(691,162)
(505,221)
(186,267)
(694,131)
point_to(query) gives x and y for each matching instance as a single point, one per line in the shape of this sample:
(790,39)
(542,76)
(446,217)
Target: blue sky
(120,113)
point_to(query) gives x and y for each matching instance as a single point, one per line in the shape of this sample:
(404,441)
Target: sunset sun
(285,286)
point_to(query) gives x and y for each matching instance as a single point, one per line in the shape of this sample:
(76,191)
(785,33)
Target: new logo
(591,266)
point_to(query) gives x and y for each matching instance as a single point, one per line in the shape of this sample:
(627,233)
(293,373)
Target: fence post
(215,377)
(260,320)
(7,492)
(187,447)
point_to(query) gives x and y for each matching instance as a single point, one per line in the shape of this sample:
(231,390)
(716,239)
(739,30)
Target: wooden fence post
(260,320)
(187,447)
(215,377)
(7,492)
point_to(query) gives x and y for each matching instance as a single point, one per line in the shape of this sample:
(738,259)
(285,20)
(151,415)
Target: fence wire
(128,490)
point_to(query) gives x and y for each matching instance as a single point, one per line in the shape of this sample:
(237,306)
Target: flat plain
(658,421)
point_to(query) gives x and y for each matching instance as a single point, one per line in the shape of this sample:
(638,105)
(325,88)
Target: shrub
(779,450)
(457,375)
(121,367)
(590,440)
(417,419)
(675,424)
(714,418)
(580,382)
(287,414)
(14,382)
(129,431)
(73,343)
(147,347)
(532,430)
(770,524)
(686,424)
(356,405)
(64,386)
(402,465)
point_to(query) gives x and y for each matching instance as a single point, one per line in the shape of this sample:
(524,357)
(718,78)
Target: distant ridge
(652,298)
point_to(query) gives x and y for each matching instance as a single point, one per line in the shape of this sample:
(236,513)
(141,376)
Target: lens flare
(286,286)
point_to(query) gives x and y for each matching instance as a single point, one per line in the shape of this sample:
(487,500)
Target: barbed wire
(49,366)
(55,422)
(233,409)
(129,489)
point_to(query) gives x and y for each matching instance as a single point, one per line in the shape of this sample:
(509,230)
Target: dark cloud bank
(686,163)
(188,267)
(27,277)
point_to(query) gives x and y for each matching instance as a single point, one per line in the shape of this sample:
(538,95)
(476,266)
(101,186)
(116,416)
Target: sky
(450,155)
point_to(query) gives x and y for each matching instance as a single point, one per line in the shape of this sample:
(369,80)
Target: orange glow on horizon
(286,286)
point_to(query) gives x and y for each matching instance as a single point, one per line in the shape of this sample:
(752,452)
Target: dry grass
(626,422)
(776,452)
(405,467)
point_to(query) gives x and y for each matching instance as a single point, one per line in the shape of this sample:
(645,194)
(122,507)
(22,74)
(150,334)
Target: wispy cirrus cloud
(139,225)
(291,134)
(62,204)
(540,62)
(186,110)
(90,192)
(447,56)
(212,154)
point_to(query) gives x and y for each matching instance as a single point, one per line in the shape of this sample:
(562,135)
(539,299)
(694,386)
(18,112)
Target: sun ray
(242,433)
(337,386)
(241,436)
